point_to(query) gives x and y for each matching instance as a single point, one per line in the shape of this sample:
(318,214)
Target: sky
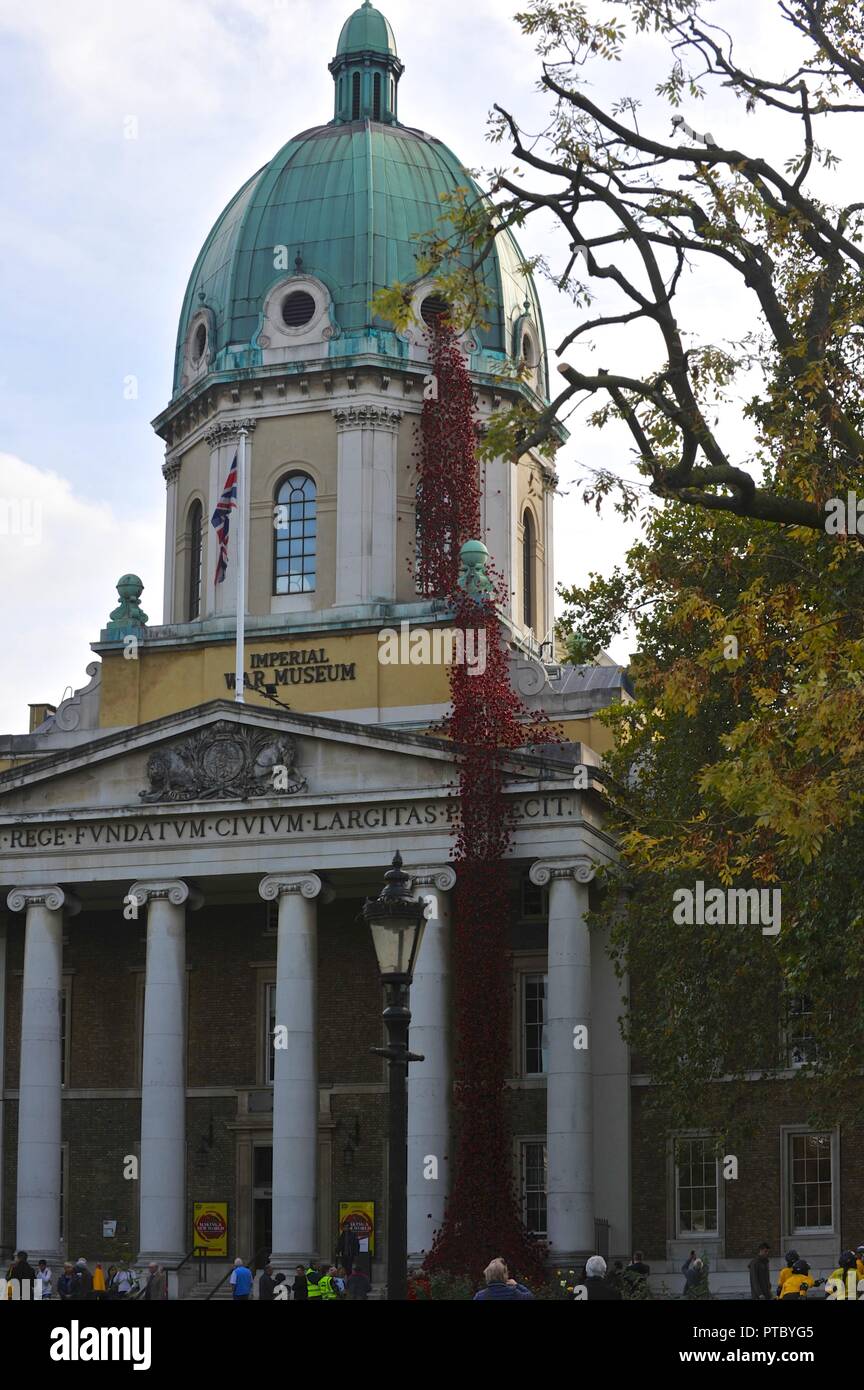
(125,130)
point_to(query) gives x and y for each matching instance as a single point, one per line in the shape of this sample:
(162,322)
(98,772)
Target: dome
(342,204)
(366,31)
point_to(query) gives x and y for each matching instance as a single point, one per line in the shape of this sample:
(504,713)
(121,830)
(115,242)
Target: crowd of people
(79,1282)
(596,1282)
(347,1280)
(326,1282)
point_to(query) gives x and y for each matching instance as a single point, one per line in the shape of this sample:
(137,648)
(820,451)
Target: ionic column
(40,1085)
(162,1172)
(569,1082)
(295,1072)
(429,1081)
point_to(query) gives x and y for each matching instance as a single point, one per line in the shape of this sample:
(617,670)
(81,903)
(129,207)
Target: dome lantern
(366,69)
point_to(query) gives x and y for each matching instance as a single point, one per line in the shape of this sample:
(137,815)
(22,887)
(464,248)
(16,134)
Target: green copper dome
(366,31)
(338,209)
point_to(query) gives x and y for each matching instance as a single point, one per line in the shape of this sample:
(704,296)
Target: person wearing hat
(848,1263)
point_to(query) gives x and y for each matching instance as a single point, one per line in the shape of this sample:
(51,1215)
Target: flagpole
(240,560)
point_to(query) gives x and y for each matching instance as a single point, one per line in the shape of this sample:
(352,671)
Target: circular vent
(298,308)
(200,341)
(433,308)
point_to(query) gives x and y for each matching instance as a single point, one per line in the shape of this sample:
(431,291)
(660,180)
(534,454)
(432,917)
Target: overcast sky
(99,232)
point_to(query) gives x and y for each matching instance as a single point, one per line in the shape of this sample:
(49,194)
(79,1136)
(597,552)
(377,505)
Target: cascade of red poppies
(487,719)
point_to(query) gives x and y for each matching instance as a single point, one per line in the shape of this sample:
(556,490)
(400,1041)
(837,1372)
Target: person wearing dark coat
(692,1271)
(599,1290)
(267,1283)
(23,1271)
(500,1287)
(300,1287)
(760,1277)
(348,1248)
(358,1286)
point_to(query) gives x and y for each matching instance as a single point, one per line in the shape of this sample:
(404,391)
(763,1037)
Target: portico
(179,877)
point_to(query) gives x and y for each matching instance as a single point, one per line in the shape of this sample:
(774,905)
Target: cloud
(56,549)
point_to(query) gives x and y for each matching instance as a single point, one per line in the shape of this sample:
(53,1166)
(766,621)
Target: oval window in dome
(433,308)
(298,309)
(200,342)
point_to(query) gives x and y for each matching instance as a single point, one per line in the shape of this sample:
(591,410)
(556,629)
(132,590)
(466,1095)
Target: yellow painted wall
(164,681)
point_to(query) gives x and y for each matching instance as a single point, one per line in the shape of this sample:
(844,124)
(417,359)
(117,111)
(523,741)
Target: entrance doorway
(262,1201)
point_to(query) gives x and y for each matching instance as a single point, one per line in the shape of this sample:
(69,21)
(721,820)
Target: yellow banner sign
(360,1217)
(210,1228)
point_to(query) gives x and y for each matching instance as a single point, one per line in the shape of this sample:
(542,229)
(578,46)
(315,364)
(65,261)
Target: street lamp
(397,921)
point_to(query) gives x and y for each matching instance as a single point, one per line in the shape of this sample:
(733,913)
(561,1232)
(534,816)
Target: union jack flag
(221,519)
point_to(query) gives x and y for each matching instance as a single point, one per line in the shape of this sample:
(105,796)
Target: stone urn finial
(128,616)
(473,579)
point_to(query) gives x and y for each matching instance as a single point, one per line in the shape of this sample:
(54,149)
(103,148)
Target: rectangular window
(800,1043)
(269,1040)
(64,1188)
(533,1184)
(696,1183)
(811,1188)
(535,901)
(65,1019)
(534,1044)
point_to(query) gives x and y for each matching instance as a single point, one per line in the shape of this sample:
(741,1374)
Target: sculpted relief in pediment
(224,762)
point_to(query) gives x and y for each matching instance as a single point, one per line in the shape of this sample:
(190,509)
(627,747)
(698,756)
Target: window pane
(811,1196)
(696,1186)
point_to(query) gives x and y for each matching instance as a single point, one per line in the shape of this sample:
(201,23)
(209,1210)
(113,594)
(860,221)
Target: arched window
(355,97)
(376,97)
(529,617)
(195,555)
(296,535)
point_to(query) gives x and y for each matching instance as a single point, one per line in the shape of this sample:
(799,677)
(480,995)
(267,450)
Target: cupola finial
(366,69)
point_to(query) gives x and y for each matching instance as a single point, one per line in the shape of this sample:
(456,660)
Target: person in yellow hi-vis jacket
(798,1282)
(791,1257)
(848,1263)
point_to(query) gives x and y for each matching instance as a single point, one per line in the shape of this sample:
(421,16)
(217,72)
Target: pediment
(227,753)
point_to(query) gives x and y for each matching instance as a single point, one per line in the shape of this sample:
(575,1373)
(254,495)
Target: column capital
(176,890)
(171,471)
(367,417)
(273,886)
(441,876)
(49,895)
(580,868)
(227,430)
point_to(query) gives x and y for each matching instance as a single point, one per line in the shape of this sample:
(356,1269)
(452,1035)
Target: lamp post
(397,921)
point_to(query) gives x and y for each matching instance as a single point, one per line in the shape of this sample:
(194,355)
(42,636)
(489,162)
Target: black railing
(258,1261)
